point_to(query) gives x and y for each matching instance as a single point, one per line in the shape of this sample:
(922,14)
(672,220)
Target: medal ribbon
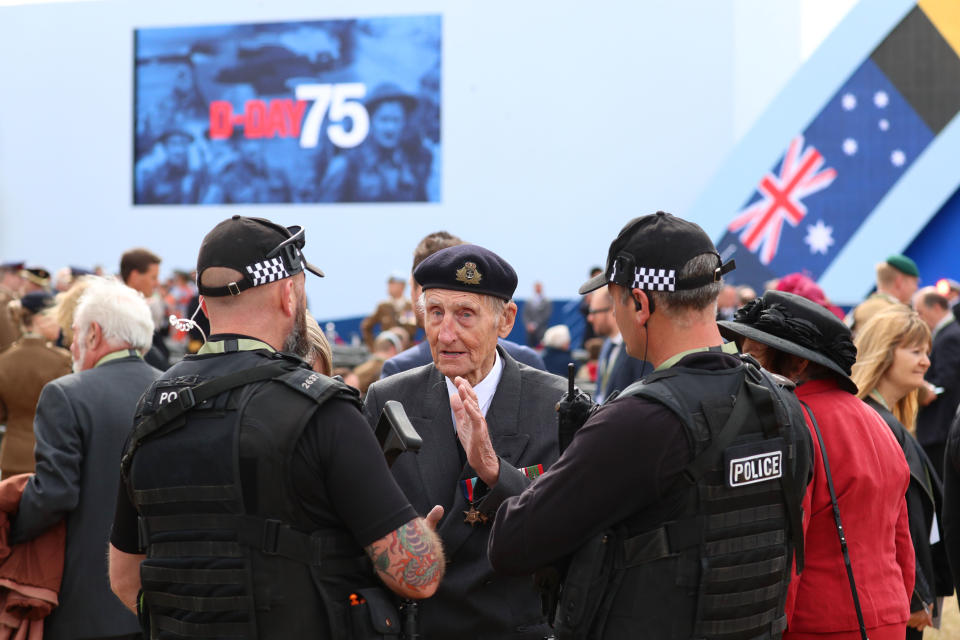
(469,486)
(533,472)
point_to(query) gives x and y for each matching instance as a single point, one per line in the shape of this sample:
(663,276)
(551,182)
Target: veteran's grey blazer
(472,601)
(82,422)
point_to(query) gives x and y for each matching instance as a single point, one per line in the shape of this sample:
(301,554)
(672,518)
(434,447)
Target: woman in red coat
(804,342)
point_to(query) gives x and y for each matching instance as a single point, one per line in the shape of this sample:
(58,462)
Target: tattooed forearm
(409,560)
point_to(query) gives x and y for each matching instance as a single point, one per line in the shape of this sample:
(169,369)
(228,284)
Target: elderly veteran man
(419,354)
(488,426)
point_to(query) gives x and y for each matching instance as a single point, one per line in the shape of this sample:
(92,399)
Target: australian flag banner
(833,174)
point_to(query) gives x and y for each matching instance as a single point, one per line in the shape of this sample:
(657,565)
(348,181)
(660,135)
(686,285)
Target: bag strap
(836,517)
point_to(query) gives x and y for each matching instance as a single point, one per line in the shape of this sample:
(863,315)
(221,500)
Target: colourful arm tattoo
(409,560)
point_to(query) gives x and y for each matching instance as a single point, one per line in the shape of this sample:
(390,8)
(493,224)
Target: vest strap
(646,547)
(202,604)
(192,576)
(332,553)
(732,519)
(742,410)
(198,629)
(746,571)
(664,541)
(745,543)
(736,625)
(769,594)
(201,493)
(195,549)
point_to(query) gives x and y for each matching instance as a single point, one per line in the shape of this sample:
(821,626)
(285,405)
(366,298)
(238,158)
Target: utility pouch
(373,615)
(584,587)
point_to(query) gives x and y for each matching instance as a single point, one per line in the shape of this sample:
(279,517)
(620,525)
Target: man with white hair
(81,422)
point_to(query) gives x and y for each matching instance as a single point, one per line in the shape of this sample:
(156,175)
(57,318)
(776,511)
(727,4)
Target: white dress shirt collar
(485,389)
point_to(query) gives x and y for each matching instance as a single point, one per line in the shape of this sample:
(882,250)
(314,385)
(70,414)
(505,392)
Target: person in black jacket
(941,396)
(891,362)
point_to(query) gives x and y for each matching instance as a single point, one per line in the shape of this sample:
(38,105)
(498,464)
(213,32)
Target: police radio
(397,435)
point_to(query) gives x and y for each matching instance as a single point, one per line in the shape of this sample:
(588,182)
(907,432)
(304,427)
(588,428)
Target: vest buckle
(186,399)
(271,536)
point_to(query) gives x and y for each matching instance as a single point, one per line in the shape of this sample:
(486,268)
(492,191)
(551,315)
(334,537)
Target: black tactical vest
(712,559)
(230,551)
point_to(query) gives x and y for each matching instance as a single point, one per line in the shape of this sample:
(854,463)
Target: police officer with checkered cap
(251,485)
(680,497)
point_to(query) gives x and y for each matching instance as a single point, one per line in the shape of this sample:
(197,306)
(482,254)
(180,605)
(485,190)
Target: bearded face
(298,341)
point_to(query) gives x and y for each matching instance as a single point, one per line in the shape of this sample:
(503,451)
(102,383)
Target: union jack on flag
(800,176)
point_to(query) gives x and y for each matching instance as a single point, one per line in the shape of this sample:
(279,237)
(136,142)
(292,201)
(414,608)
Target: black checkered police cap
(261,250)
(651,250)
(467,267)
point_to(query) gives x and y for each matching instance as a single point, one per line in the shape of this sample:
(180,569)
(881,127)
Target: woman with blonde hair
(891,361)
(320,357)
(892,358)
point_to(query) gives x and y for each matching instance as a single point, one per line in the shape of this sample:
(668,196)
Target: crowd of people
(745,465)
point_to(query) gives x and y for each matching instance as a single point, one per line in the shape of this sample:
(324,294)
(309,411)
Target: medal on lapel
(473,517)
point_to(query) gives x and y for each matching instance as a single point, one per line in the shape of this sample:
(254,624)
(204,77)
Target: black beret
(467,267)
(36,301)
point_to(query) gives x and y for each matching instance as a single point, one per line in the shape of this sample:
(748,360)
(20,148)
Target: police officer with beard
(252,485)
(679,499)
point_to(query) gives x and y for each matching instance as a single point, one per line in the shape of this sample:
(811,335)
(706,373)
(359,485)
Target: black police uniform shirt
(623,460)
(337,472)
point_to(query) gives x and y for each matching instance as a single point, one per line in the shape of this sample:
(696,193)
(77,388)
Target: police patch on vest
(754,462)
(166,395)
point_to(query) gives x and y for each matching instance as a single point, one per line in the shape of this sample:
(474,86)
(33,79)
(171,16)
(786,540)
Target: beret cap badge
(468,273)
(467,267)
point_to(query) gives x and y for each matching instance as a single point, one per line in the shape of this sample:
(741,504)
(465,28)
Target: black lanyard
(836,517)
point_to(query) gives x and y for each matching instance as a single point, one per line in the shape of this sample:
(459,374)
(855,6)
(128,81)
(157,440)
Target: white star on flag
(819,237)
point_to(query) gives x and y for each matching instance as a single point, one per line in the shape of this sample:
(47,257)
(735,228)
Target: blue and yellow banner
(834,173)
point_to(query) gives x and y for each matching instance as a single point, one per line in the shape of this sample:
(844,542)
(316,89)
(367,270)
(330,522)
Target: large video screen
(287,112)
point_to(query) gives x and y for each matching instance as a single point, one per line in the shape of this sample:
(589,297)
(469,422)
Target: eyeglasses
(591,312)
(291,248)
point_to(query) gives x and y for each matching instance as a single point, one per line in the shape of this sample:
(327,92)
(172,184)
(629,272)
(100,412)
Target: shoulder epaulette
(319,387)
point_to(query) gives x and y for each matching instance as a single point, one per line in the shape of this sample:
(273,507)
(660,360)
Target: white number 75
(342,101)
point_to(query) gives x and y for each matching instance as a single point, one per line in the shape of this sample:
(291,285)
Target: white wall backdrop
(561,121)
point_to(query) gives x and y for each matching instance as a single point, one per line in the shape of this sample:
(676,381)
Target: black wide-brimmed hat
(800,327)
